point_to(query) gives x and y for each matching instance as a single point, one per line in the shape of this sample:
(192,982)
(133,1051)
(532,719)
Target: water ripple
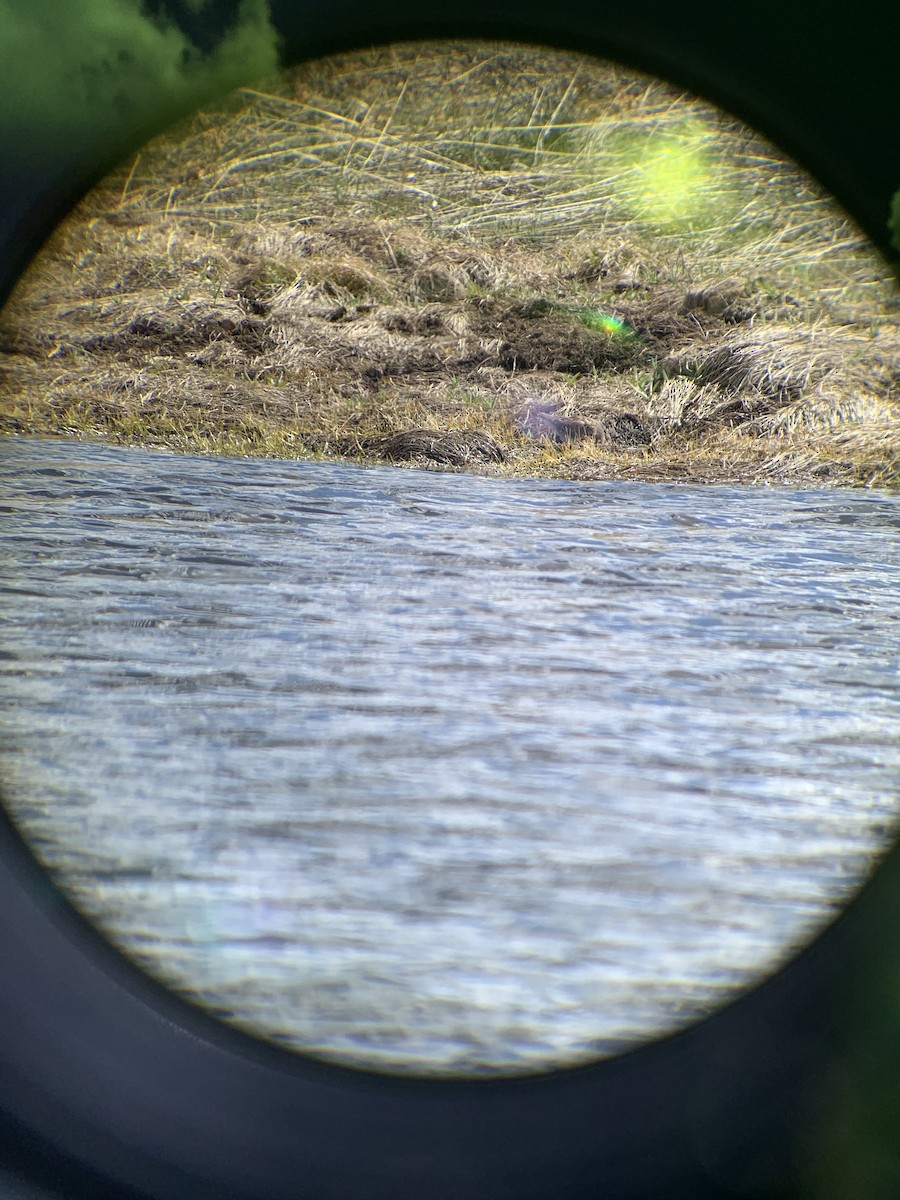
(431,770)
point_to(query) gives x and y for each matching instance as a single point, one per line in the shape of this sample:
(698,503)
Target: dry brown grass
(453,247)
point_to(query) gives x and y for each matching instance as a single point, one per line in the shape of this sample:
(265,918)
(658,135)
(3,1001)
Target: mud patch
(536,336)
(187,330)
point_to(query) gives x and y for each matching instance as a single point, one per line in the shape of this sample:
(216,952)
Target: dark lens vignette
(791,1091)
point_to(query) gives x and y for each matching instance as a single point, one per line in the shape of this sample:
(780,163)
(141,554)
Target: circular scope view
(450,582)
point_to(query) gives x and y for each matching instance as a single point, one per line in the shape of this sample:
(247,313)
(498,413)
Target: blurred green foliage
(100,74)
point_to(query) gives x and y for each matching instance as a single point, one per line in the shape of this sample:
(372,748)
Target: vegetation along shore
(475,257)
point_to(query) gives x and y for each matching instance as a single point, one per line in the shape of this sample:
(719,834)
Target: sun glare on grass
(674,176)
(668,173)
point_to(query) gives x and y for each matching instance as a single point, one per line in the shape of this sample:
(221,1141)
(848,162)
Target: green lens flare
(604,322)
(611,324)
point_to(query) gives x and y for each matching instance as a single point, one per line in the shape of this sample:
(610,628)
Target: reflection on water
(429,770)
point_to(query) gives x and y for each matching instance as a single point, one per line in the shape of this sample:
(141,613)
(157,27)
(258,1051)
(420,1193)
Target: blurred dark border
(111,1089)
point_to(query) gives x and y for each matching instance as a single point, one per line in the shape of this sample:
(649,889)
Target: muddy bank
(596,350)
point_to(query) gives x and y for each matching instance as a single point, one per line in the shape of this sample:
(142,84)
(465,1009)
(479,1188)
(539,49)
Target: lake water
(436,772)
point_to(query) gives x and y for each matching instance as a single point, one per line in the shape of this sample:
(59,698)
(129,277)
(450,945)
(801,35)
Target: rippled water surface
(430,770)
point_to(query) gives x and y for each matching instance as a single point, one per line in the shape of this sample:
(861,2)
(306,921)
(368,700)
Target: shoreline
(770,474)
(626,284)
